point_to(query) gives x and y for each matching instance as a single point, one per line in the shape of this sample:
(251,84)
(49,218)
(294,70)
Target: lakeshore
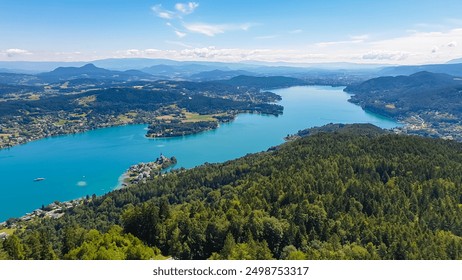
(91,163)
(138,173)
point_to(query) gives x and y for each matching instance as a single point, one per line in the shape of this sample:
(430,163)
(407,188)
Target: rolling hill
(427,103)
(90,71)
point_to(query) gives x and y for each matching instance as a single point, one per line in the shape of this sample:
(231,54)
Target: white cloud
(187,8)
(162,13)
(410,48)
(361,38)
(180,34)
(16,52)
(178,43)
(385,55)
(336,43)
(152,51)
(181,10)
(205,29)
(133,52)
(212,53)
(236,55)
(353,40)
(421,47)
(214,29)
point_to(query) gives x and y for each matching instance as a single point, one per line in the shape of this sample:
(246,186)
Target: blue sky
(396,32)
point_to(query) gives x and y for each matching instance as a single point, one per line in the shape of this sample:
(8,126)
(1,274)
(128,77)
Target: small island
(178,128)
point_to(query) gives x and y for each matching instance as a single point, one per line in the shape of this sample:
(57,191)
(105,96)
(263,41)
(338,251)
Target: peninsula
(141,172)
(34,107)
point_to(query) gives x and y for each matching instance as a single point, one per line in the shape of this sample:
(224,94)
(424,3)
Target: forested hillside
(429,104)
(398,96)
(353,194)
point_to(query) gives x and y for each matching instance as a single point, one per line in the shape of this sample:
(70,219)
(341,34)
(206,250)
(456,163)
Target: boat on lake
(39,179)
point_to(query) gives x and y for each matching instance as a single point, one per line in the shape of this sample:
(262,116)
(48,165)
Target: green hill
(428,103)
(336,195)
(420,91)
(264,82)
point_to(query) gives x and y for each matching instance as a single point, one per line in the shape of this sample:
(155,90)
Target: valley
(194,121)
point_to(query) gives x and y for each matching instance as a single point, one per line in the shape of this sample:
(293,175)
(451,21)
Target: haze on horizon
(358,31)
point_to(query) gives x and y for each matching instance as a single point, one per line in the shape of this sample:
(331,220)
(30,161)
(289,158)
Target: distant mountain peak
(89,66)
(90,71)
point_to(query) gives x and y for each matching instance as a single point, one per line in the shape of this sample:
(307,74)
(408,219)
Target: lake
(92,162)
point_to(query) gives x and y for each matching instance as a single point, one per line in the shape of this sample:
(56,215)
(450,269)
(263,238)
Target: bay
(92,162)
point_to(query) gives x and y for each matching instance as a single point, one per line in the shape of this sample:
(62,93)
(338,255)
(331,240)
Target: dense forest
(120,100)
(428,104)
(178,128)
(264,82)
(398,96)
(352,193)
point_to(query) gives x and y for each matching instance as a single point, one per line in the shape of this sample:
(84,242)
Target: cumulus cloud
(212,53)
(235,55)
(133,52)
(152,51)
(181,9)
(385,55)
(139,53)
(16,52)
(416,48)
(336,43)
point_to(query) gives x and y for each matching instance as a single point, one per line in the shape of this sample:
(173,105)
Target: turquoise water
(92,162)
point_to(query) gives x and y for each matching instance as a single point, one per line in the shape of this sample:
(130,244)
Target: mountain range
(191,69)
(92,72)
(451,69)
